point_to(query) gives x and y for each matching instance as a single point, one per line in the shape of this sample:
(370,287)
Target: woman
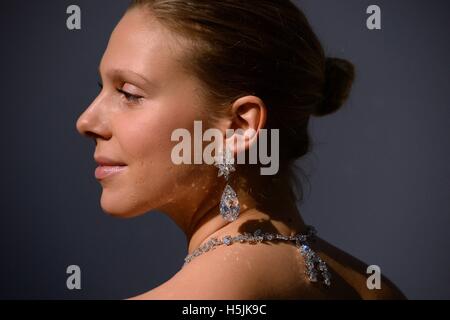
(248,66)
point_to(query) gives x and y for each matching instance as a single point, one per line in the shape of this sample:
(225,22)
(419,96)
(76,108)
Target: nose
(93,121)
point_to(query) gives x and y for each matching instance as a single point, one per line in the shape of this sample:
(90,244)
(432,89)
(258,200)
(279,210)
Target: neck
(280,216)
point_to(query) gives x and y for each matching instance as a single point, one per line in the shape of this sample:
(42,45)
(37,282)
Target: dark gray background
(379,172)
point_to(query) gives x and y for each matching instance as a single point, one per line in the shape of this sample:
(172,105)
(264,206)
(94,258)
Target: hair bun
(339,77)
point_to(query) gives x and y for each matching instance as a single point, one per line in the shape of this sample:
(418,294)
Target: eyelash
(130,97)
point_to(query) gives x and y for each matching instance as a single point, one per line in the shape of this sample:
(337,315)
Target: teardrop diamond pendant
(229,204)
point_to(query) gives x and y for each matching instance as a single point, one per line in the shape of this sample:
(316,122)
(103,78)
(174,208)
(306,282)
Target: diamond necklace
(314,264)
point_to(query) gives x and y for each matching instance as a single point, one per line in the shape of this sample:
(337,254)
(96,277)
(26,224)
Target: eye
(130,97)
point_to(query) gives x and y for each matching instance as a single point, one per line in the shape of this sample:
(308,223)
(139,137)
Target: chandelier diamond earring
(229,203)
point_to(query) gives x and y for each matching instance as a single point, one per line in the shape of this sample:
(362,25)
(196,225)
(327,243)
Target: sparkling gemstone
(225,163)
(227,240)
(246,236)
(229,204)
(322,266)
(312,275)
(326,274)
(304,249)
(298,243)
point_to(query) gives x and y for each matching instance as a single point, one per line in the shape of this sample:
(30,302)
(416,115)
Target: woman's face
(145,96)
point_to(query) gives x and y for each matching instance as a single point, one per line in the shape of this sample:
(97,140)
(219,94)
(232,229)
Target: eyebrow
(124,73)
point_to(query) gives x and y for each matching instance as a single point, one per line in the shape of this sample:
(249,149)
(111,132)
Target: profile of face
(145,96)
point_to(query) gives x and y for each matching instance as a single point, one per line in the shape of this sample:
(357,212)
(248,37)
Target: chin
(120,208)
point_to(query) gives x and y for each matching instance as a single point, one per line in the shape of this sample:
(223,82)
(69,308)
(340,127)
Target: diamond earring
(229,203)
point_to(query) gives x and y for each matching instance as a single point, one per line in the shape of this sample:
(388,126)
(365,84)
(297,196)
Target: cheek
(144,137)
(143,140)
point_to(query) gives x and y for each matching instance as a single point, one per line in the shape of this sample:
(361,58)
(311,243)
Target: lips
(108,167)
(105,161)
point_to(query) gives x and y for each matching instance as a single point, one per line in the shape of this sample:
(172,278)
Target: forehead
(139,43)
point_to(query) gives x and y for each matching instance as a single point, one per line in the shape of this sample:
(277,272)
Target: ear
(248,116)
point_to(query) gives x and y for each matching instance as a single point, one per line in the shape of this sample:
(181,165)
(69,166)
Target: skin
(137,132)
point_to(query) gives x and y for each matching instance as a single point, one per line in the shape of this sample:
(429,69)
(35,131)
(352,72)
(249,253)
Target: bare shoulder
(269,271)
(205,278)
(237,272)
